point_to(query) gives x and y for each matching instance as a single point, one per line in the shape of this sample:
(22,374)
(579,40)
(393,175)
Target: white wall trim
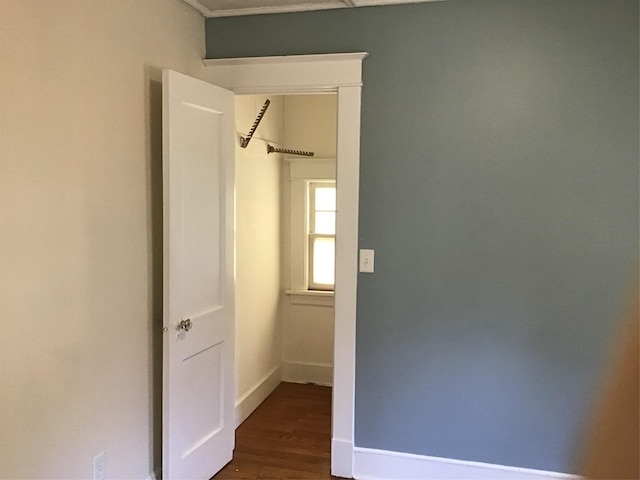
(233,12)
(292,74)
(298,7)
(344,350)
(342,455)
(254,396)
(310,297)
(371,3)
(308,372)
(372,464)
(283,59)
(345,78)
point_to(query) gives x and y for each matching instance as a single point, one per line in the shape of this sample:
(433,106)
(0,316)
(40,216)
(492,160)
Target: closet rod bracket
(244,141)
(272,149)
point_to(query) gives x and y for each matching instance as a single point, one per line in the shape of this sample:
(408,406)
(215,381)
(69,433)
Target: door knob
(185,325)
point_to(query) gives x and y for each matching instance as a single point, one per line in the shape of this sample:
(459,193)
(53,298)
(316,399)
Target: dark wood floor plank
(287,437)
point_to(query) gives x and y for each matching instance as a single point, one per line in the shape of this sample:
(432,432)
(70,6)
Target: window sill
(310,297)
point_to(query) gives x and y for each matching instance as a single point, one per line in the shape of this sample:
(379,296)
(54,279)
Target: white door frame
(342,74)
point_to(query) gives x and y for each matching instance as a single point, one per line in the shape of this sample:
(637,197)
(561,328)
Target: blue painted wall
(499,188)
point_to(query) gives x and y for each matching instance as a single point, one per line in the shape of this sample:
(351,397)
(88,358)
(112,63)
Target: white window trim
(311,297)
(301,171)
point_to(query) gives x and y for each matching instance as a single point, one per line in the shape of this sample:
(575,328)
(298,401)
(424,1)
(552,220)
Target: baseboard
(253,397)
(341,458)
(299,372)
(372,464)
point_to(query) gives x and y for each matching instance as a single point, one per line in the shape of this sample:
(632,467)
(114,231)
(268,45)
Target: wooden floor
(288,436)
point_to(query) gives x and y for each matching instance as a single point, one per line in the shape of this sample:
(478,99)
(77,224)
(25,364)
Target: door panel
(198,389)
(200,209)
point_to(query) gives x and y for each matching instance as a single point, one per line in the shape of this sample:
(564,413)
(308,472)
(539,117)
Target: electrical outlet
(98,467)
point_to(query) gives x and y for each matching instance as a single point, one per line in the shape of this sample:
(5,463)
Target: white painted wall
(258,259)
(310,123)
(307,345)
(80,230)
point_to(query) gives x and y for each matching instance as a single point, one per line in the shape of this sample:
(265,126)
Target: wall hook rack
(271,149)
(244,141)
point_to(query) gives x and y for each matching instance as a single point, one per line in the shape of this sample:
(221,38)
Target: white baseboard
(299,372)
(372,464)
(341,458)
(253,397)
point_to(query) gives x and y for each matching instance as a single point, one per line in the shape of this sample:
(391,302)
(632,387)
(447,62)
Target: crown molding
(300,7)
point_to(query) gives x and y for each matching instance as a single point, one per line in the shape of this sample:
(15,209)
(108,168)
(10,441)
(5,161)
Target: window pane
(326,198)
(325,223)
(324,251)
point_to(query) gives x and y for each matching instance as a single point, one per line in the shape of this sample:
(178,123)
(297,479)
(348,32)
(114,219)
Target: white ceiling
(228,8)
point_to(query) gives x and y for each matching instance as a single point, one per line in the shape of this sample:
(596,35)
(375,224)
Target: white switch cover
(366,260)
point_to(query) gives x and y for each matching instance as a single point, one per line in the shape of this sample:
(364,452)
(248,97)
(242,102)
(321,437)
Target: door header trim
(304,73)
(327,57)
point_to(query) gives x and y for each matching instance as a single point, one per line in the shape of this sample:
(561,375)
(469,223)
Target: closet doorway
(285,243)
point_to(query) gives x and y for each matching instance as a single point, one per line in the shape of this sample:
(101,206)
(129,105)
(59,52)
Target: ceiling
(228,8)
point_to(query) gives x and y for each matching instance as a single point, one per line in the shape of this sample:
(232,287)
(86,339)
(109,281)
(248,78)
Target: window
(321,234)
(311,201)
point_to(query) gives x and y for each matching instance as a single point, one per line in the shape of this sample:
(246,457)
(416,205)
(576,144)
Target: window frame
(302,171)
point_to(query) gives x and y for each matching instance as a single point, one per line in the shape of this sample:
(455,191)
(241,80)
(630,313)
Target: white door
(198,309)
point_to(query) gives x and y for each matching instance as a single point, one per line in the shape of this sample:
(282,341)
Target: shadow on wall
(153,96)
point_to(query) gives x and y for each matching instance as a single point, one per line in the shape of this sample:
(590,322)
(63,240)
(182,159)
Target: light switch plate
(366,260)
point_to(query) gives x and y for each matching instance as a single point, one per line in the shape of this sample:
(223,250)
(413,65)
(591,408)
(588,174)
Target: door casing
(341,74)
